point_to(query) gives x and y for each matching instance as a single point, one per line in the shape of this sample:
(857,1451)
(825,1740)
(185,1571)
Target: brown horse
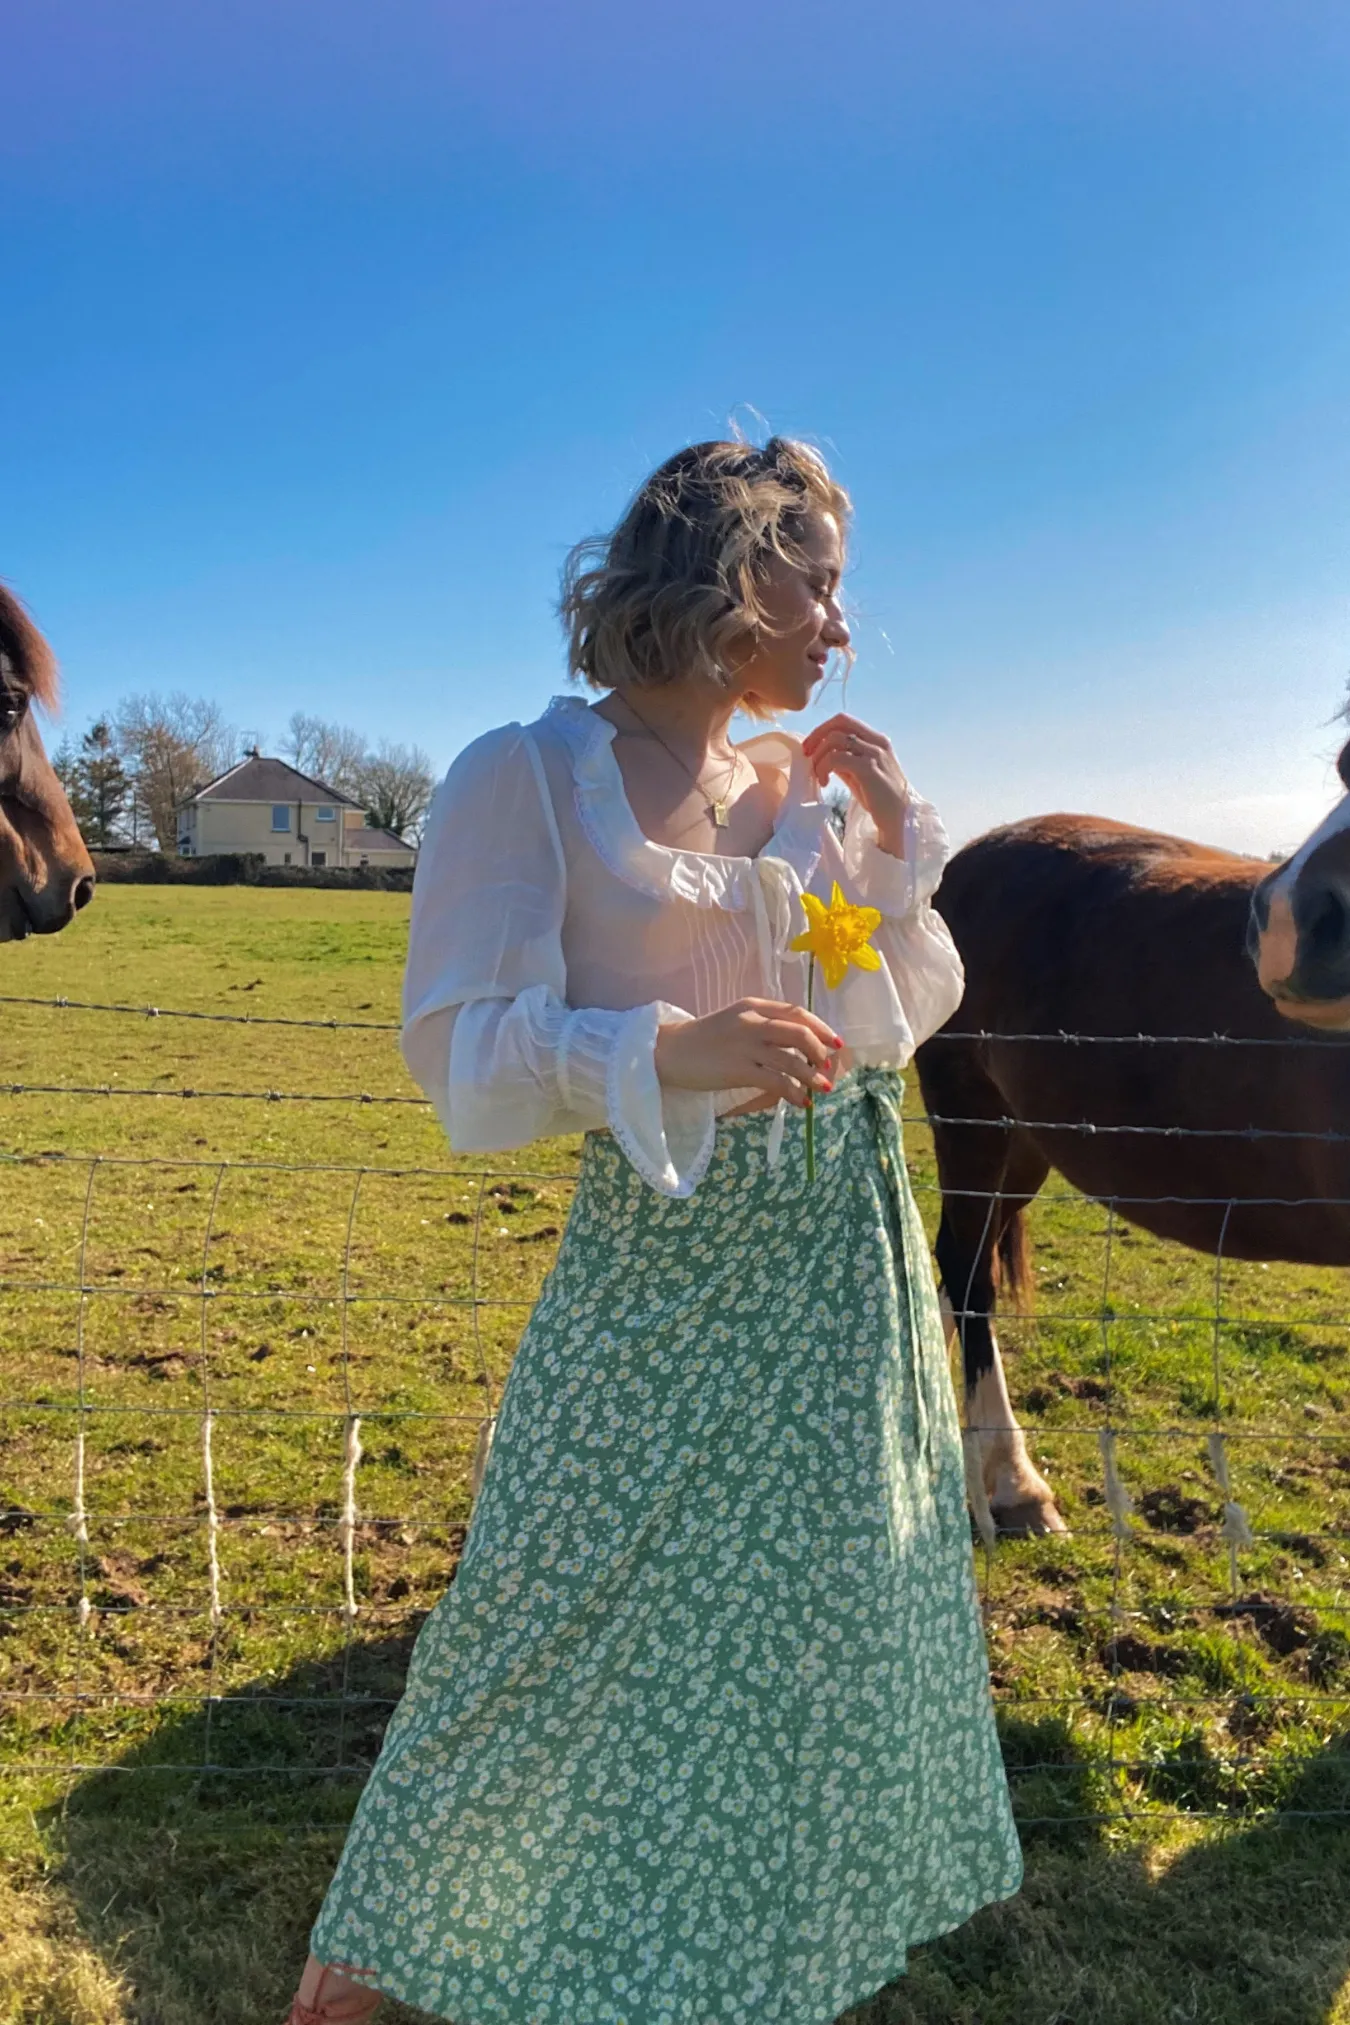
(45,872)
(1069,925)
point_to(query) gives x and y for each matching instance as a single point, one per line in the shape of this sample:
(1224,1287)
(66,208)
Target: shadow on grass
(1149,1921)
(200,1886)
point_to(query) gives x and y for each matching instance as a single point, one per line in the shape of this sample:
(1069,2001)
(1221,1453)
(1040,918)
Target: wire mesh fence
(244,1397)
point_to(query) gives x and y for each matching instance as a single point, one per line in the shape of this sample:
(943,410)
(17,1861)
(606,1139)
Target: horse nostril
(1326,924)
(83,894)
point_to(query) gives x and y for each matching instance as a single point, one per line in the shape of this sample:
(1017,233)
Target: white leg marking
(1016,1495)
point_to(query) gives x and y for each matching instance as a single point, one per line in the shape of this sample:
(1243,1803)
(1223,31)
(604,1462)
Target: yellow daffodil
(838,935)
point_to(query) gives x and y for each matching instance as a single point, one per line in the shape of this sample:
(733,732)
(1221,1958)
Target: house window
(322,815)
(286,858)
(318,857)
(281,815)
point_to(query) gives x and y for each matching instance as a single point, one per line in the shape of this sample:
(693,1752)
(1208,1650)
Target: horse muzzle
(46,913)
(1299,940)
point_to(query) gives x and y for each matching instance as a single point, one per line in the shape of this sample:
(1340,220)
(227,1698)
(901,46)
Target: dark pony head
(45,872)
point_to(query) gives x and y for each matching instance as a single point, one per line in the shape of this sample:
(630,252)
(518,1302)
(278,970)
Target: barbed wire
(161,1012)
(1001,1123)
(227,1096)
(1060,1036)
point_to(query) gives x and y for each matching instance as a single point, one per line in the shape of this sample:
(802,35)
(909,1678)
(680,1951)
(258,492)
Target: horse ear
(1343,765)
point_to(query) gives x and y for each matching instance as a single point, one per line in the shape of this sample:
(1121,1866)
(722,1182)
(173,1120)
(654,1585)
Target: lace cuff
(607,1066)
(896,885)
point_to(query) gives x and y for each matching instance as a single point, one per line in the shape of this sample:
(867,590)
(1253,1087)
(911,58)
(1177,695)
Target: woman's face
(805,621)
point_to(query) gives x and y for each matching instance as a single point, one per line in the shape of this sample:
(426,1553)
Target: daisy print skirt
(701,1734)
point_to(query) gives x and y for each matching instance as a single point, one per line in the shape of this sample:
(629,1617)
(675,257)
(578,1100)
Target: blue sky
(329,327)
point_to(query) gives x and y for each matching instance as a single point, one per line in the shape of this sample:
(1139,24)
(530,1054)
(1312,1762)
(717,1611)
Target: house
(366,845)
(267,807)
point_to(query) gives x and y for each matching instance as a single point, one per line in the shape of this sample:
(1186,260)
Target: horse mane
(24,654)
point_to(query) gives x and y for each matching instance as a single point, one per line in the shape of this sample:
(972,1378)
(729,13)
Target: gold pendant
(719,814)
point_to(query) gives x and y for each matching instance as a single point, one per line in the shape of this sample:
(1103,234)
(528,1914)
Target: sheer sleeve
(887,1014)
(487,1030)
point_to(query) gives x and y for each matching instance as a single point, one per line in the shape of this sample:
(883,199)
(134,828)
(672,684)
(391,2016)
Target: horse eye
(11,710)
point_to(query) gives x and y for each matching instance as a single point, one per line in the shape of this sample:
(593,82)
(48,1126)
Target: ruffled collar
(704,878)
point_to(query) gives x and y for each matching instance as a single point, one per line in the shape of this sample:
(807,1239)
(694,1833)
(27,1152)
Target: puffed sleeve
(887,1014)
(487,1029)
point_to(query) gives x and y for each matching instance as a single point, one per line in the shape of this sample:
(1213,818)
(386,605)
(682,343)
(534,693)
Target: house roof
(372,842)
(256,779)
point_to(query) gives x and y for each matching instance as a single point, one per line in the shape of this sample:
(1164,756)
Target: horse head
(46,874)
(1298,933)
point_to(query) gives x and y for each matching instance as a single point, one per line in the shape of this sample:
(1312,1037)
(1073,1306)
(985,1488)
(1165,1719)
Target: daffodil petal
(866,958)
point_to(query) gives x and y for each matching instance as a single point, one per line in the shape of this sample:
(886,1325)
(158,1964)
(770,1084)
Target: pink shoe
(327,1997)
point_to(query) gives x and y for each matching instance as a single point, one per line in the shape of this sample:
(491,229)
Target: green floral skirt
(702,1731)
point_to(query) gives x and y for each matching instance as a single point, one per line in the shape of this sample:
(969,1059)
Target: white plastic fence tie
(212,1519)
(1118,1500)
(347,1524)
(1236,1529)
(976,1495)
(208,1477)
(1218,1461)
(77,1523)
(482,1449)
(774,1150)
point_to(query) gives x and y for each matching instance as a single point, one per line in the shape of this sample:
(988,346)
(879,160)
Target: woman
(702,1731)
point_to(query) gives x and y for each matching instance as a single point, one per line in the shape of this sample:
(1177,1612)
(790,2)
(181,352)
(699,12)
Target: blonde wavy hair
(678,584)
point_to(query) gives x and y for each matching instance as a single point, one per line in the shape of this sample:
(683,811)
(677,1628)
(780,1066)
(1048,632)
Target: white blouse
(550,939)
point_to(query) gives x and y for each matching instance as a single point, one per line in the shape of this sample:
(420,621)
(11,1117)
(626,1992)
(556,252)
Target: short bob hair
(678,583)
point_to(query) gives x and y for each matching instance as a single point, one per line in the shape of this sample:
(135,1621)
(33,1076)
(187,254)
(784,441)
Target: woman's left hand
(865,763)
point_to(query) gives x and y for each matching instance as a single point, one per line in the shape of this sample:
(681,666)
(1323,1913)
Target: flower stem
(810,1095)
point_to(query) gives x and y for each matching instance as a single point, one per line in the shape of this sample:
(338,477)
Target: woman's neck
(692,717)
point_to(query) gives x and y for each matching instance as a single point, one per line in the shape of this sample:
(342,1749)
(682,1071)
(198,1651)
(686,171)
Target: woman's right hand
(757,1043)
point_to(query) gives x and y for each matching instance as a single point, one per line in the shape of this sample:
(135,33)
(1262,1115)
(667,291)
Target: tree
(102,787)
(393,783)
(65,760)
(332,753)
(837,799)
(96,784)
(397,784)
(171,746)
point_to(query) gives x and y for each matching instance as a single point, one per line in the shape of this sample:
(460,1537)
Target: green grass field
(284,1265)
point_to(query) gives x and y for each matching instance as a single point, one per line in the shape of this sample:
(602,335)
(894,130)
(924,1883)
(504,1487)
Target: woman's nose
(835,631)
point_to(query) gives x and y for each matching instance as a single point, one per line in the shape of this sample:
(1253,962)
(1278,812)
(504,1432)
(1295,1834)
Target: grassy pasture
(285,1264)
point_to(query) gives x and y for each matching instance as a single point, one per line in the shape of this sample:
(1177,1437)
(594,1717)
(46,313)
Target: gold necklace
(719,808)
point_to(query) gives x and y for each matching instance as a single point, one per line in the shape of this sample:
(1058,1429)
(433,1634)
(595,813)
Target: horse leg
(1007,1492)
(1020,1499)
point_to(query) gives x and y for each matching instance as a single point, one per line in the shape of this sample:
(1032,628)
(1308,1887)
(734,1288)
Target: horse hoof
(1028,1517)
